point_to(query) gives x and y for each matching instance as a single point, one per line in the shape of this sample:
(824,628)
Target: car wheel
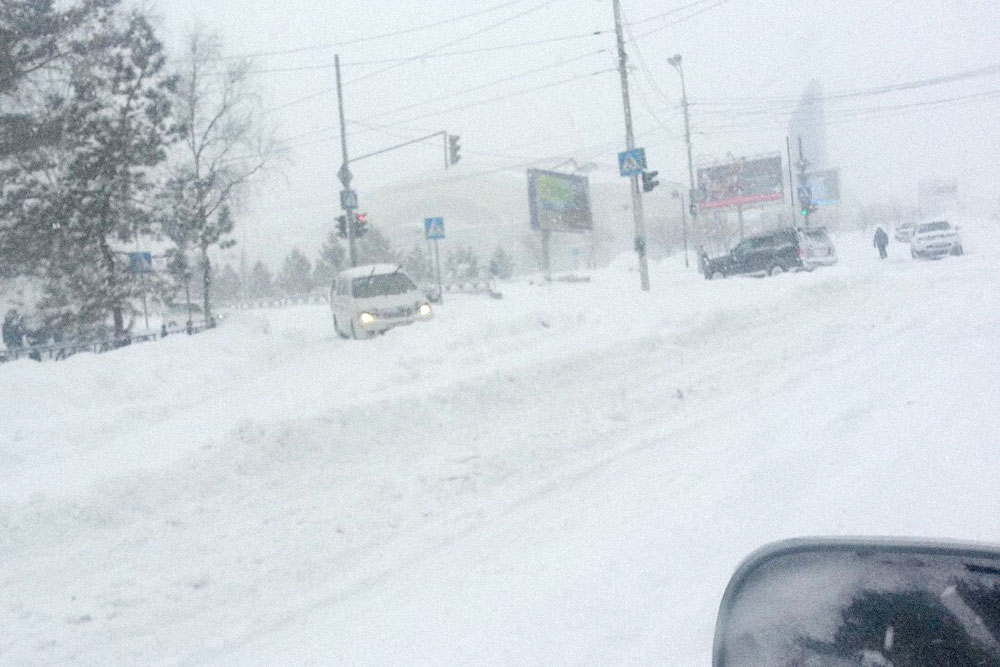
(354,331)
(776,270)
(717,275)
(958,250)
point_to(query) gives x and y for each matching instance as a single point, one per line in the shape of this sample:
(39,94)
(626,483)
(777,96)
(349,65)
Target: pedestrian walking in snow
(12,334)
(881,242)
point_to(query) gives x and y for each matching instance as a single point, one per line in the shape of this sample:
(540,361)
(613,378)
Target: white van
(374,298)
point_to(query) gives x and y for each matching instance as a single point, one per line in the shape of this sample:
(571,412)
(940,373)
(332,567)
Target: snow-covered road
(564,477)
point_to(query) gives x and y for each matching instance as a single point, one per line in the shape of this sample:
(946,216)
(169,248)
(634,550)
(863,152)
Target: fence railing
(66,349)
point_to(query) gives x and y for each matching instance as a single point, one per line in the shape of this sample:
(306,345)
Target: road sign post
(434,231)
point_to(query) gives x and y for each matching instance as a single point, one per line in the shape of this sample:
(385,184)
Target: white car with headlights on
(371,299)
(935,239)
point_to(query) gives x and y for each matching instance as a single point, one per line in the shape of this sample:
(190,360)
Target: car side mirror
(862,602)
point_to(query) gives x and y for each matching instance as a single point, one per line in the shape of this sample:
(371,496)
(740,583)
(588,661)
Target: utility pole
(640,225)
(345,172)
(675,62)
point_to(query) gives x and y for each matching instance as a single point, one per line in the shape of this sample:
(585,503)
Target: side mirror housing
(862,602)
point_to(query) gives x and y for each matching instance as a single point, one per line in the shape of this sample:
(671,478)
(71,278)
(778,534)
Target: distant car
(373,298)
(774,252)
(904,232)
(935,239)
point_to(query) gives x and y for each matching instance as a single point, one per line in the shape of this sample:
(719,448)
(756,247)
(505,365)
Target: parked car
(904,232)
(935,239)
(819,249)
(775,252)
(373,298)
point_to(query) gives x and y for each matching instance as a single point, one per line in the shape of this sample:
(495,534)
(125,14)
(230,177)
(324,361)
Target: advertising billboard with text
(559,202)
(744,182)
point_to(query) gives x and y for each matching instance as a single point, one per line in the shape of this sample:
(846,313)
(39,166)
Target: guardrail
(276,302)
(66,349)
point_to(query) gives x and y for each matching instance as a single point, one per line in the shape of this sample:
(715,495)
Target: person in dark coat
(12,335)
(881,242)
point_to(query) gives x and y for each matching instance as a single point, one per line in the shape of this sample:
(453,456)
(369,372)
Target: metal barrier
(277,302)
(66,349)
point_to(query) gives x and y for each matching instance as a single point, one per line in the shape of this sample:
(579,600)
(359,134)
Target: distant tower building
(808,123)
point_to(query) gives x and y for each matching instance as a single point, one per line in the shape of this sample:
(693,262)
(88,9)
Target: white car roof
(366,270)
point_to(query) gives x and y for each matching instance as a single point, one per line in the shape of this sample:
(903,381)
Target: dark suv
(770,253)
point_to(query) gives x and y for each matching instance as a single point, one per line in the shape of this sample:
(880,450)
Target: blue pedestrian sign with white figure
(140,262)
(631,163)
(434,228)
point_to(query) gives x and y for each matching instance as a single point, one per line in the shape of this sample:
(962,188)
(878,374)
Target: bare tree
(226,144)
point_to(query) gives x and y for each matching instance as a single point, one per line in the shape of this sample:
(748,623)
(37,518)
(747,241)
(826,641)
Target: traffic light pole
(405,143)
(345,173)
(640,225)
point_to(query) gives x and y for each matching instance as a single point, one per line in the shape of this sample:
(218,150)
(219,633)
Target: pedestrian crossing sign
(434,228)
(631,163)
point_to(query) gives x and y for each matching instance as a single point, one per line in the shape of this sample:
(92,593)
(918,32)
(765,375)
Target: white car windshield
(381,284)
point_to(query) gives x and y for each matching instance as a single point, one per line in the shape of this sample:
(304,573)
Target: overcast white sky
(736,50)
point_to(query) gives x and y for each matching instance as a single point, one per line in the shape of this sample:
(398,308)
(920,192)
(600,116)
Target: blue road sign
(434,228)
(140,262)
(631,163)
(348,199)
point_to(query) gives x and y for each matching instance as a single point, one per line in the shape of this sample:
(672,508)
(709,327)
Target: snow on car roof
(369,269)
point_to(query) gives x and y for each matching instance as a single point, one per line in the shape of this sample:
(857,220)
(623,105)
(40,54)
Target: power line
(370,38)
(458,40)
(506,79)
(507,96)
(848,115)
(830,41)
(684,19)
(331,89)
(762,103)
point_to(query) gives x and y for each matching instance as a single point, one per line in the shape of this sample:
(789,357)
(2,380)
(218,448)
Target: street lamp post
(676,62)
(678,194)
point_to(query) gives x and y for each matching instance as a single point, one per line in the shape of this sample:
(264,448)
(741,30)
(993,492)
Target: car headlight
(424,310)
(366,318)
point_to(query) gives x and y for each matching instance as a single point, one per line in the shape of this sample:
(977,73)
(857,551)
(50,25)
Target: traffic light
(453,148)
(806,205)
(342,226)
(647,180)
(361,225)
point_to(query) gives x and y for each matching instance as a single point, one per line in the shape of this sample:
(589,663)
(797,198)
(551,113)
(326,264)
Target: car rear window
(382,284)
(816,235)
(933,227)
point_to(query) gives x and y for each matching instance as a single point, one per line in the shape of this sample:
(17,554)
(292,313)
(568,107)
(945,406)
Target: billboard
(559,202)
(745,182)
(824,186)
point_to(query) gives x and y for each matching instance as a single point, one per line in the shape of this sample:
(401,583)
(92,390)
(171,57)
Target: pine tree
(71,204)
(332,260)
(228,285)
(501,264)
(259,285)
(295,279)
(374,248)
(418,264)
